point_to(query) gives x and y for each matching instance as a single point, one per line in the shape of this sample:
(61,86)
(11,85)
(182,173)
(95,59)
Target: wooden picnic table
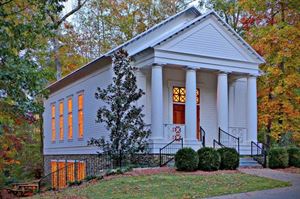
(23,189)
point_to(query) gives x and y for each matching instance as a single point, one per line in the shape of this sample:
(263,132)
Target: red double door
(179,116)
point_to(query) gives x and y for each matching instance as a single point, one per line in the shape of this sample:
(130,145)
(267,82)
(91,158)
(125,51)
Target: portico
(211,93)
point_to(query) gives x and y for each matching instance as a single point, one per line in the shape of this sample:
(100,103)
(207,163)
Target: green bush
(91,177)
(75,183)
(186,159)
(116,171)
(209,159)
(278,158)
(230,158)
(294,156)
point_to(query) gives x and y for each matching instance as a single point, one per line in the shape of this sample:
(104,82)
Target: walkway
(292,192)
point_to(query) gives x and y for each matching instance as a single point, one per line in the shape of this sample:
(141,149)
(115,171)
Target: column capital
(189,68)
(252,75)
(157,64)
(224,72)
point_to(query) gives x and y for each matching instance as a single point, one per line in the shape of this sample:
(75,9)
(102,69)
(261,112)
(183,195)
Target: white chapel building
(198,76)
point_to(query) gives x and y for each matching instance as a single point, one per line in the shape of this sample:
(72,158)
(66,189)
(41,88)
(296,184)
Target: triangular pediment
(210,39)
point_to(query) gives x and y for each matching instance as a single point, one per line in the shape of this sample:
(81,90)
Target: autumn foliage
(273,29)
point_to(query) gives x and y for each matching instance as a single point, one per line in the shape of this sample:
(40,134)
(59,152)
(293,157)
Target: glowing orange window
(61,120)
(81,171)
(53,122)
(62,175)
(71,172)
(80,115)
(54,174)
(70,118)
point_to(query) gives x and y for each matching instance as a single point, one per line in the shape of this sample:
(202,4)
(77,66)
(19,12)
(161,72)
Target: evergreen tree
(121,116)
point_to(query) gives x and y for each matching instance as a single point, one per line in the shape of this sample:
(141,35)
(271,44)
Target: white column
(157,102)
(222,101)
(251,109)
(190,105)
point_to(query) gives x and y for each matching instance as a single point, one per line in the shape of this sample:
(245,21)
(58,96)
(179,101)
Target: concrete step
(249,163)
(171,164)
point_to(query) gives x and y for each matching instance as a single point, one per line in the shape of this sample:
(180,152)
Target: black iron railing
(229,140)
(217,144)
(167,153)
(259,153)
(202,133)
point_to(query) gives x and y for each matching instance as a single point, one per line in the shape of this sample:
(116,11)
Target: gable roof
(157,41)
(199,19)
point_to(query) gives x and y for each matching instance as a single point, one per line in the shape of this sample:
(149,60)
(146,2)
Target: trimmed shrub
(91,177)
(186,159)
(294,156)
(75,183)
(230,158)
(209,159)
(278,158)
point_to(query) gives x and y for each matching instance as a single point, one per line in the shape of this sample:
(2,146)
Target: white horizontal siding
(203,42)
(208,41)
(88,86)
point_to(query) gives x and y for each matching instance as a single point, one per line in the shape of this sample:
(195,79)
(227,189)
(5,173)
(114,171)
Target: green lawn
(169,186)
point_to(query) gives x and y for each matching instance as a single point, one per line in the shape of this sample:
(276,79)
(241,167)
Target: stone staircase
(248,162)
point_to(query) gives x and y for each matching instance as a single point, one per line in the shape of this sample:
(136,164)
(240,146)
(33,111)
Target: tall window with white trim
(53,128)
(70,118)
(80,116)
(61,120)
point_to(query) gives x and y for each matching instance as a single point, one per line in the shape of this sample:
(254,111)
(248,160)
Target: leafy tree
(273,30)
(57,20)
(103,25)
(67,56)
(25,29)
(122,117)
(230,10)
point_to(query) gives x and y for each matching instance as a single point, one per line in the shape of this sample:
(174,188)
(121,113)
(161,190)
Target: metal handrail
(219,143)
(263,151)
(202,136)
(171,143)
(161,149)
(236,138)
(220,130)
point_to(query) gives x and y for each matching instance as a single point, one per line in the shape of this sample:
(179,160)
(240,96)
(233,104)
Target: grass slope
(170,186)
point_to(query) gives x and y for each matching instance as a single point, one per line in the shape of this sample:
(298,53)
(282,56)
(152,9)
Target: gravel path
(292,192)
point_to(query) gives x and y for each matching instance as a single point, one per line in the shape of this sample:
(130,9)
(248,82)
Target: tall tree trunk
(41,122)
(56,57)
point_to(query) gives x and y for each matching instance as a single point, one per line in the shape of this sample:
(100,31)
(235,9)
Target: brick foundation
(96,163)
